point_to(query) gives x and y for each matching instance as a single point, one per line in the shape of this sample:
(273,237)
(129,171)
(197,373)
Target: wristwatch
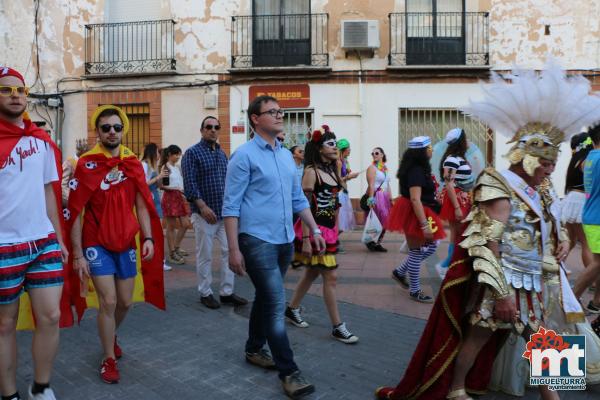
(317,231)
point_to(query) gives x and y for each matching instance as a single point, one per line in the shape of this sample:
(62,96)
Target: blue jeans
(266,264)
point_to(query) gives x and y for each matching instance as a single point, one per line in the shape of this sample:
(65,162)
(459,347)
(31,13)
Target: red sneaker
(109,371)
(117,350)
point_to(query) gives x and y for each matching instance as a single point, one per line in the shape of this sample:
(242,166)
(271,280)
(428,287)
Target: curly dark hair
(412,157)
(312,155)
(456,149)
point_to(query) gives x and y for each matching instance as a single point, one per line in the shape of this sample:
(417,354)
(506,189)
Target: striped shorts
(29,265)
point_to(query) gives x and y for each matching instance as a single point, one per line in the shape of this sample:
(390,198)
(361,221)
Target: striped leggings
(412,264)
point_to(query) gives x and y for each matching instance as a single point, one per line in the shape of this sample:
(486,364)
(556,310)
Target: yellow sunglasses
(8,91)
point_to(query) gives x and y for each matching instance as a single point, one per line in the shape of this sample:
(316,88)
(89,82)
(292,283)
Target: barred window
(437,122)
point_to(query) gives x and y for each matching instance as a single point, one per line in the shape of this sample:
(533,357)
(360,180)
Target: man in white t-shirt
(31,246)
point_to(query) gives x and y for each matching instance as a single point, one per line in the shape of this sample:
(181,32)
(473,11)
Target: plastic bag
(372,229)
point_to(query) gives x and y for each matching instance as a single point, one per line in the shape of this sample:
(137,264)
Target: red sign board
(238,129)
(288,96)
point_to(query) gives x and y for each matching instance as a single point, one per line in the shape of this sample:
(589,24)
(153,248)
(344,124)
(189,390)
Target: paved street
(190,352)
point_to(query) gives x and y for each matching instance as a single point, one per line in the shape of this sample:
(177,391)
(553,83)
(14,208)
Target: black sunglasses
(106,127)
(375,153)
(215,127)
(281,139)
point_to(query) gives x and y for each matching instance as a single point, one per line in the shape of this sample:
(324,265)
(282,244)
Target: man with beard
(31,246)
(109,182)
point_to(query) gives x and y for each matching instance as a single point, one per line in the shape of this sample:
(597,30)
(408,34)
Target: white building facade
(377,72)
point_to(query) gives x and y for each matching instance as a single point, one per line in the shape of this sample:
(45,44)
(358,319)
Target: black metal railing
(279,40)
(140,47)
(442,38)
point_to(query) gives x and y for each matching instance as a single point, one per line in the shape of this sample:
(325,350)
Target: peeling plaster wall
(517,33)
(203,33)
(60,38)
(182,115)
(339,10)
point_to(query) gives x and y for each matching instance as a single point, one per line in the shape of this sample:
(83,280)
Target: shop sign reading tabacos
(288,96)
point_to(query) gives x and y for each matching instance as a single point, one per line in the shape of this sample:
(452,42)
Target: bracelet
(78,258)
(149,238)
(424,224)
(305,237)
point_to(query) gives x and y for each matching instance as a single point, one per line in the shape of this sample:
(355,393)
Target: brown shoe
(210,302)
(261,358)
(295,386)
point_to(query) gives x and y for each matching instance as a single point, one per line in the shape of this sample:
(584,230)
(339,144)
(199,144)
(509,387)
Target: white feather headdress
(548,104)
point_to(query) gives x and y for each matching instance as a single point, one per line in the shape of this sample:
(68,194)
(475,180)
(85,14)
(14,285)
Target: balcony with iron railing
(292,40)
(130,48)
(456,39)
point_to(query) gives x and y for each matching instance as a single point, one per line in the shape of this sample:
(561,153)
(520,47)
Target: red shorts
(403,219)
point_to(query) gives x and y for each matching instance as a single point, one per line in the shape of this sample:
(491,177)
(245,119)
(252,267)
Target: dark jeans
(266,265)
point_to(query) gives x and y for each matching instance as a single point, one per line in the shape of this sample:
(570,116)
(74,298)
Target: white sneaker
(167,267)
(342,334)
(47,394)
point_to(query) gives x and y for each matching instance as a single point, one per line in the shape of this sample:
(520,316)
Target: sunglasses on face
(106,127)
(330,143)
(273,112)
(210,127)
(375,153)
(8,91)
(281,139)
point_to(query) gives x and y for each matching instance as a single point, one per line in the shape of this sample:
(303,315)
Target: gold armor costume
(518,270)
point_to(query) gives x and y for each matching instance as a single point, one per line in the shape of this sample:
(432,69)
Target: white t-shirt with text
(30,166)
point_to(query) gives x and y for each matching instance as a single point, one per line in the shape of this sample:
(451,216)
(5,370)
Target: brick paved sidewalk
(190,352)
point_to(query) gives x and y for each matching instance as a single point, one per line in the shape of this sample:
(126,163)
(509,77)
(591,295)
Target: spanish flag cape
(92,168)
(429,373)
(10,135)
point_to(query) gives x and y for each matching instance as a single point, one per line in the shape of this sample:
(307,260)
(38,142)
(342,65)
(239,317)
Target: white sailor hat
(453,135)
(419,142)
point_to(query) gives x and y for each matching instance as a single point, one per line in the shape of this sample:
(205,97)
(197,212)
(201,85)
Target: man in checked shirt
(204,168)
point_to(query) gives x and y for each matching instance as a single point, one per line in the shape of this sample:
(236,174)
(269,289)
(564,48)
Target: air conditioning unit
(360,34)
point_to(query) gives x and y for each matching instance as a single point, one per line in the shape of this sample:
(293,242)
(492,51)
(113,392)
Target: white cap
(453,135)
(419,142)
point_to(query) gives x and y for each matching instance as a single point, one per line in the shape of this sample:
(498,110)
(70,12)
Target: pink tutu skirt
(346,221)
(382,206)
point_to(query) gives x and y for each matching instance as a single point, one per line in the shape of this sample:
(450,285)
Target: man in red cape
(109,188)
(31,240)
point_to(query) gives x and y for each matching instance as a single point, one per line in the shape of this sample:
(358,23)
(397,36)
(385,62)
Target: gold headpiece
(538,111)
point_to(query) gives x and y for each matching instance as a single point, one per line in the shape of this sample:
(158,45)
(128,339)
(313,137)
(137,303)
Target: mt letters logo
(556,361)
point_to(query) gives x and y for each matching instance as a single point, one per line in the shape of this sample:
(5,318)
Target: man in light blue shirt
(261,194)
